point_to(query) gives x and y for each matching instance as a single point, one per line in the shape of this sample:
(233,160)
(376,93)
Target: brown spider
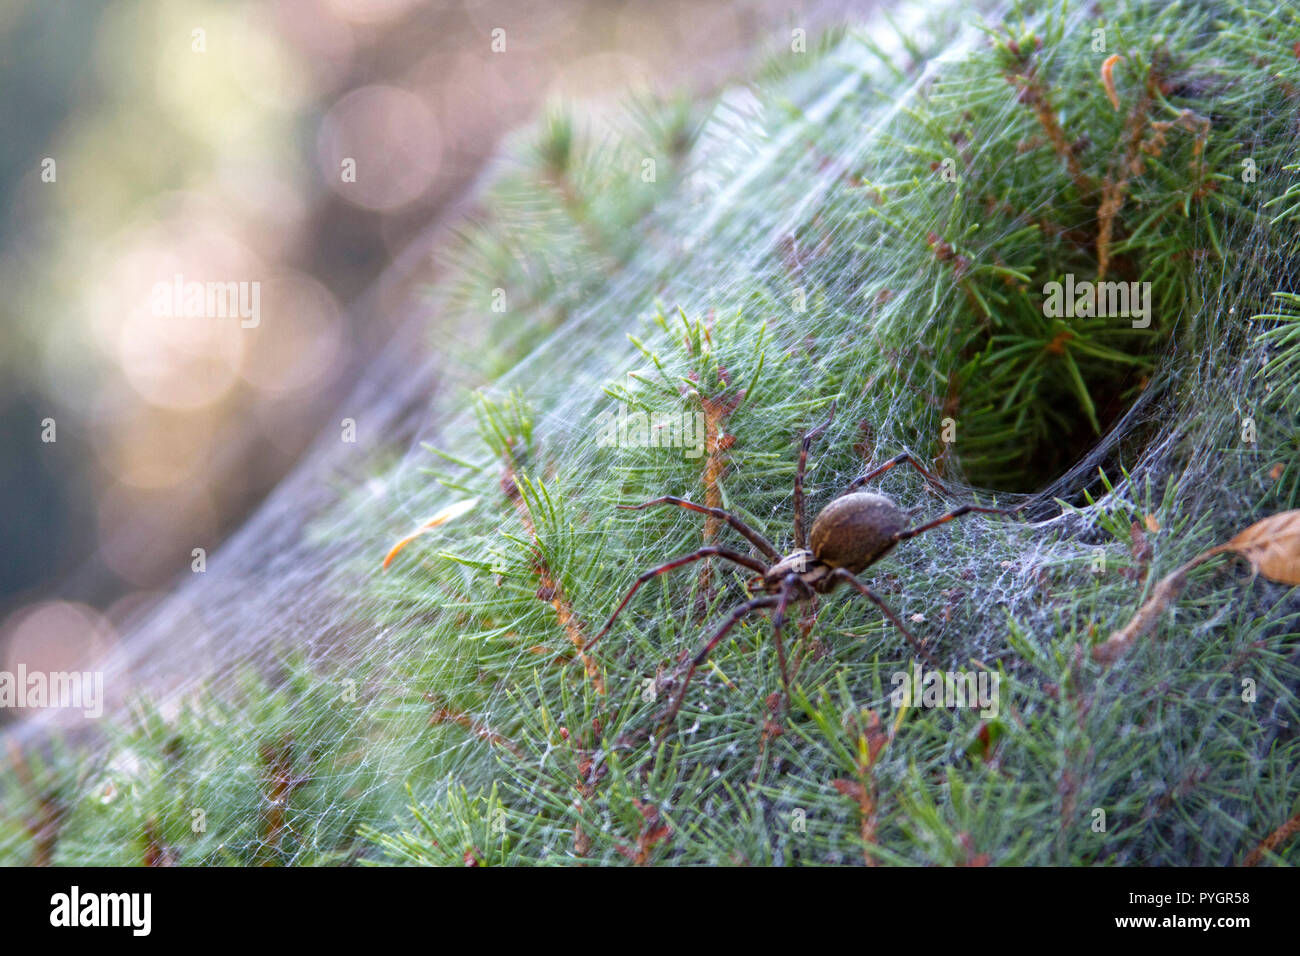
(851,533)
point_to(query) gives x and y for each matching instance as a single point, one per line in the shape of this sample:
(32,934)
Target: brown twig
(444,714)
(1130,165)
(872,740)
(653,831)
(281,784)
(549,588)
(1271,842)
(43,826)
(716,442)
(1115,186)
(1034,94)
(585,786)
(156,853)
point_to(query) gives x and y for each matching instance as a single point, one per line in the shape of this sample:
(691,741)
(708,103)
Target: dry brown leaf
(1272,546)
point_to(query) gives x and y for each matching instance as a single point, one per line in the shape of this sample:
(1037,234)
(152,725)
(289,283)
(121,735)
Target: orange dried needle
(1108,79)
(441,518)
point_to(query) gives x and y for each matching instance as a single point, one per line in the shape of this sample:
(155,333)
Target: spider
(851,533)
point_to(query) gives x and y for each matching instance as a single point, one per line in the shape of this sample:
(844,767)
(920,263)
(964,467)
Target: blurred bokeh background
(148,138)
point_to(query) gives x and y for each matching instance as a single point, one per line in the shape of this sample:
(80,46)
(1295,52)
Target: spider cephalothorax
(850,534)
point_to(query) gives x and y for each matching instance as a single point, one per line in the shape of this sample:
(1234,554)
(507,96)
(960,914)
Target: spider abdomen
(855,530)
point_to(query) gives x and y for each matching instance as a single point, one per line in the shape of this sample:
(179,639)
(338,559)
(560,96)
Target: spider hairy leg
(788,588)
(723,630)
(800,538)
(903,459)
(846,575)
(736,557)
(955,513)
(753,536)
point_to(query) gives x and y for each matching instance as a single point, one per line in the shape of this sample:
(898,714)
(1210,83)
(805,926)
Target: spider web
(797,256)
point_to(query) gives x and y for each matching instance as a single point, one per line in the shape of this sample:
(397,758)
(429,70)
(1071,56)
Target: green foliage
(252,775)
(801,247)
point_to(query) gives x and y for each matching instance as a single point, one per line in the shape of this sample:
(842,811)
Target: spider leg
(800,538)
(955,513)
(865,591)
(743,560)
(788,586)
(754,537)
(903,459)
(723,630)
